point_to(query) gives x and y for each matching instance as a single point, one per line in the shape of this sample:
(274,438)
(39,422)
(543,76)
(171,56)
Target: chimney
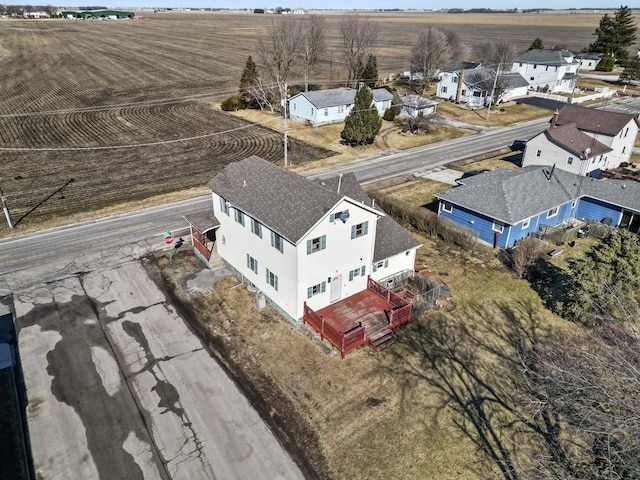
(460,82)
(554,119)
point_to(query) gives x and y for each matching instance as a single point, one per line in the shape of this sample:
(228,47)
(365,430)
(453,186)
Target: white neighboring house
(328,106)
(456,67)
(589,61)
(477,85)
(550,70)
(298,240)
(416,106)
(584,140)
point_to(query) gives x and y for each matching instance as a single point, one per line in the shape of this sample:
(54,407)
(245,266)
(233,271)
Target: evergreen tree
(248,79)
(605,284)
(631,71)
(615,34)
(363,122)
(536,44)
(370,72)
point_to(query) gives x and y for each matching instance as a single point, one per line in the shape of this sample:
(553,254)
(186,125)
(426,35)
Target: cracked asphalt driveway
(120,388)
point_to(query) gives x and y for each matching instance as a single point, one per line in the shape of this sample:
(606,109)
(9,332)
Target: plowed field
(73,91)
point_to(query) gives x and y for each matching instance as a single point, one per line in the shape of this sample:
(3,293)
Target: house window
(357,273)
(538,153)
(553,212)
(444,89)
(447,207)
(574,203)
(380,264)
(546,69)
(252,264)
(256,227)
(359,230)
(272,279)
(316,289)
(520,64)
(623,149)
(340,108)
(224,206)
(326,112)
(526,223)
(464,93)
(277,242)
(454,79)
(531,79)
(316,244)
(239,217)
(626,131)
(535,66)
(294,107)
(497,226)
(569,160)
(311,110)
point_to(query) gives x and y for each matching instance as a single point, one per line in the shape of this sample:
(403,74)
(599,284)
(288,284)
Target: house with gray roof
(474,86)
(584,140)
(503,206)
(300,241)
(548,70)
(322,107)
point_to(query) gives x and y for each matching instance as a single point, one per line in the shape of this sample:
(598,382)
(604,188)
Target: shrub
(389,115)
(606,64)
(232,103)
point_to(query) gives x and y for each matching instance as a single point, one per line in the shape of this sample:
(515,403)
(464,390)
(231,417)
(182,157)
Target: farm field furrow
(103,84)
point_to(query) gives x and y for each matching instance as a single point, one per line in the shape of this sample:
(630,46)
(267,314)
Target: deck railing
(403,309)
(400,315)
(345,342)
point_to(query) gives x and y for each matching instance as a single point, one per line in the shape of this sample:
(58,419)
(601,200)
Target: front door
(335,291)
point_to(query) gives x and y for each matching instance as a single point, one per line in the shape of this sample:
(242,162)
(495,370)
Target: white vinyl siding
(316,289)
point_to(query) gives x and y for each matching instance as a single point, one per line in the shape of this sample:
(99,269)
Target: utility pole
(5,208)
(286,114)
(493,91)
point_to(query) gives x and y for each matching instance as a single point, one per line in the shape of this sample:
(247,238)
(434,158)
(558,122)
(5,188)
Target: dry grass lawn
(361,417)
(503,115)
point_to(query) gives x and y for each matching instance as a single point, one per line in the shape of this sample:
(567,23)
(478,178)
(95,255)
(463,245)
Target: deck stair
(379,335)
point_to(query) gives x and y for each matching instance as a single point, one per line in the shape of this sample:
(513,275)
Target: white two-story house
(328,106)
(548,70)
(298,240)
(584,140)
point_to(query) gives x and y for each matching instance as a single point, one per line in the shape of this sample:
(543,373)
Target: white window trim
(497,226)
(445,209)
(555,211)
(526,223)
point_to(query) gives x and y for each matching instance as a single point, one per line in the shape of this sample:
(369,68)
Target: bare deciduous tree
(266,96)
(278,50)
(432,49)
(496,55)
(313,44)
(358,37)
(524,255)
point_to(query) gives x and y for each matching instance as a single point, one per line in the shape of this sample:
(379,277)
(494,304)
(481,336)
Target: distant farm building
(36,15)
(107,14)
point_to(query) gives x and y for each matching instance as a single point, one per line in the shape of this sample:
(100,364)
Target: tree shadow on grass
(481,362)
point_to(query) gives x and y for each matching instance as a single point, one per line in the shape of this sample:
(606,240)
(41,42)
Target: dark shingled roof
(514,195)
(391,238)
(545,57)
(341,96)
(203,221)
(457,66)
(575,141)
(284,201)
(593,120)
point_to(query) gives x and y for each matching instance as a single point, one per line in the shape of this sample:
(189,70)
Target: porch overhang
(203,221)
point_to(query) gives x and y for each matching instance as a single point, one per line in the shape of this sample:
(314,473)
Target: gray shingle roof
(545,57)
(391,238)
(460,65)
(203,221)
(341,96)
(417,101)
(594,120)
(575,141)
(514,195)
(284,201)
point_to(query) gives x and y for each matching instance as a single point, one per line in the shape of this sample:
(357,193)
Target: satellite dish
(344,216)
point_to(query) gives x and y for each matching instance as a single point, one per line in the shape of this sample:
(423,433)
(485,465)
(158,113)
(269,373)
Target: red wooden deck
(366,307)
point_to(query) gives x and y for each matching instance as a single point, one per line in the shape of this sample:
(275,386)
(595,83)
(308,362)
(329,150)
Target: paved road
(120,388)
(49,254)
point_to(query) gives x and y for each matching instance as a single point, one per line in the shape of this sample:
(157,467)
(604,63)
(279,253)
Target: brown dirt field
(87,86)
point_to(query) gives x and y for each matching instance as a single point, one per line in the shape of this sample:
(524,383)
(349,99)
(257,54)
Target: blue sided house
(503,206)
